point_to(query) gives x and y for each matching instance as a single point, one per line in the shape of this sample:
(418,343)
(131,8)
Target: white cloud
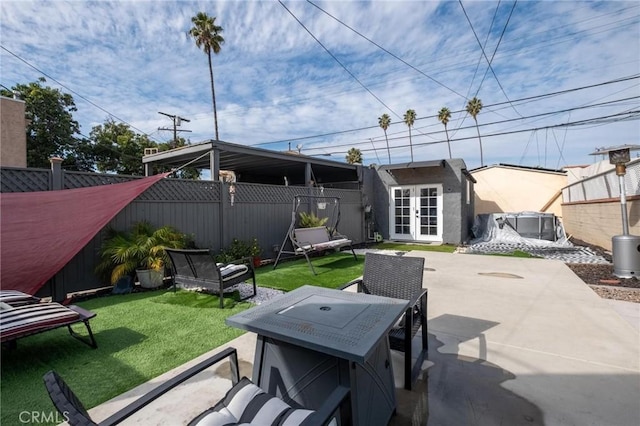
(274,82)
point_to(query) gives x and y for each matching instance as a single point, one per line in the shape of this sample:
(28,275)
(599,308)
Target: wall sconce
(232,193)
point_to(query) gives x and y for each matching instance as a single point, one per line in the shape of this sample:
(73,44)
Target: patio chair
(196,268)
(21,321)
(245,403)
(400,277)
(17,298)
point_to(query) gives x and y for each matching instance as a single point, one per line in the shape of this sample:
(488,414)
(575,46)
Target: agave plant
(141,248)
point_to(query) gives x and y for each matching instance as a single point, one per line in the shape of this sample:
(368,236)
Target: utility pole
(177,120)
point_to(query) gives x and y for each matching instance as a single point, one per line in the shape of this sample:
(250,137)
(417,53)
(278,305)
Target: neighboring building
(429,201)
(578,173)
(591,206)
(505,188)
(13,133)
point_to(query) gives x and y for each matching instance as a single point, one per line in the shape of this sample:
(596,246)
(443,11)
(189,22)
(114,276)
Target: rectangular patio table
(312,339)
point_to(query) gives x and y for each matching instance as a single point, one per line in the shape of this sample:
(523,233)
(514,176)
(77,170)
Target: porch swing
(301,241)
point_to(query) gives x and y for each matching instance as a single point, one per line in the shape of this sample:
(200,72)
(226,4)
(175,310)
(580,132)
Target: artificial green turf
(140,336)
(333,270)
(517,253)
(143,335)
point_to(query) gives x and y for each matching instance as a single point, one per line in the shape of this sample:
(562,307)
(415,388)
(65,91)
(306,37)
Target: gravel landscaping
(601,280)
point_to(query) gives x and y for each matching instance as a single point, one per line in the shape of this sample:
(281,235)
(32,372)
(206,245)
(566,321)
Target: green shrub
(142,247)
(239,249)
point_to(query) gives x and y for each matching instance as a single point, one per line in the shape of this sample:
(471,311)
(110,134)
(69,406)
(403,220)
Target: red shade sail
(40,232)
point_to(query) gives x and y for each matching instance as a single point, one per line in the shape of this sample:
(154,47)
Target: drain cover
(500,275)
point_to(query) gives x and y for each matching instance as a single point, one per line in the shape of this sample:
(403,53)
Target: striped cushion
(247,404)
(15,296)
(24,319)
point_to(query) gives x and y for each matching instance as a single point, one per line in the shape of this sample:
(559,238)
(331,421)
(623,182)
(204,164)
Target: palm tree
(473,108)
(207,36)
(409,119)
(444,115)
(384,121)
(354,156)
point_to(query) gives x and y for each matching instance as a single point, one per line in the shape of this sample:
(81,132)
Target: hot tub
(541,226)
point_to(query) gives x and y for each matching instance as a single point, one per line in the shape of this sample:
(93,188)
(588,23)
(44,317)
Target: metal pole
(623,206)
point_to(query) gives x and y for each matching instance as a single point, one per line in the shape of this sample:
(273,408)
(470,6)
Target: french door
(416,213)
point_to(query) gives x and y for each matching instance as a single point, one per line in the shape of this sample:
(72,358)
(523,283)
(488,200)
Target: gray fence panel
(73,180)
(198,219)
(268,222)
(200,208)
(24,180)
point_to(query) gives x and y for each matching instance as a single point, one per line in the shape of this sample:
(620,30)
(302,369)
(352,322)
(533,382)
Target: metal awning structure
(252,164)
(407,170)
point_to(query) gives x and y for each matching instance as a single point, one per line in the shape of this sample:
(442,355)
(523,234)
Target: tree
(118,149)
(81,158)
(444,115)
(51,130)
(384,121)
(354,156)
(207,36)
(473,108)
(409,119)
(183,173)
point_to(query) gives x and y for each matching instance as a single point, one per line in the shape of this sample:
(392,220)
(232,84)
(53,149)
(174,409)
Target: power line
(72,91)
(486,40)
(591,120)
(490,61)
(338,61)
(526,99)
(612,118)
(536,41)
(385,50)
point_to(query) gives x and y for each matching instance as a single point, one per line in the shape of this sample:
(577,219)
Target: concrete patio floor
(512,342)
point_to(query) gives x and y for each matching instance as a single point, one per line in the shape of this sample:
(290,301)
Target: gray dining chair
(400,277)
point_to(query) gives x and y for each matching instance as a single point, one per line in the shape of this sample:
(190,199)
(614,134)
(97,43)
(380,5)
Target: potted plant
(240,249)
(140,251)
(255,252)
(310,220)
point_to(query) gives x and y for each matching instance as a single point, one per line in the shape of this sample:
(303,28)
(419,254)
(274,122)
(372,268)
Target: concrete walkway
(512,341)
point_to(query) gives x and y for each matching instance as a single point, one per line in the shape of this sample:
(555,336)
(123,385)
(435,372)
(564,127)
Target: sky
(557,79)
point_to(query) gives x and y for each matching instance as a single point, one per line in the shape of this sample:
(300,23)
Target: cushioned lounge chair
(245,403)
(400,277)
(197,269)
(21,321)
(17,298)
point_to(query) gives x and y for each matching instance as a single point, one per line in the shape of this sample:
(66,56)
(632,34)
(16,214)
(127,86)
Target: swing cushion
(318,239)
